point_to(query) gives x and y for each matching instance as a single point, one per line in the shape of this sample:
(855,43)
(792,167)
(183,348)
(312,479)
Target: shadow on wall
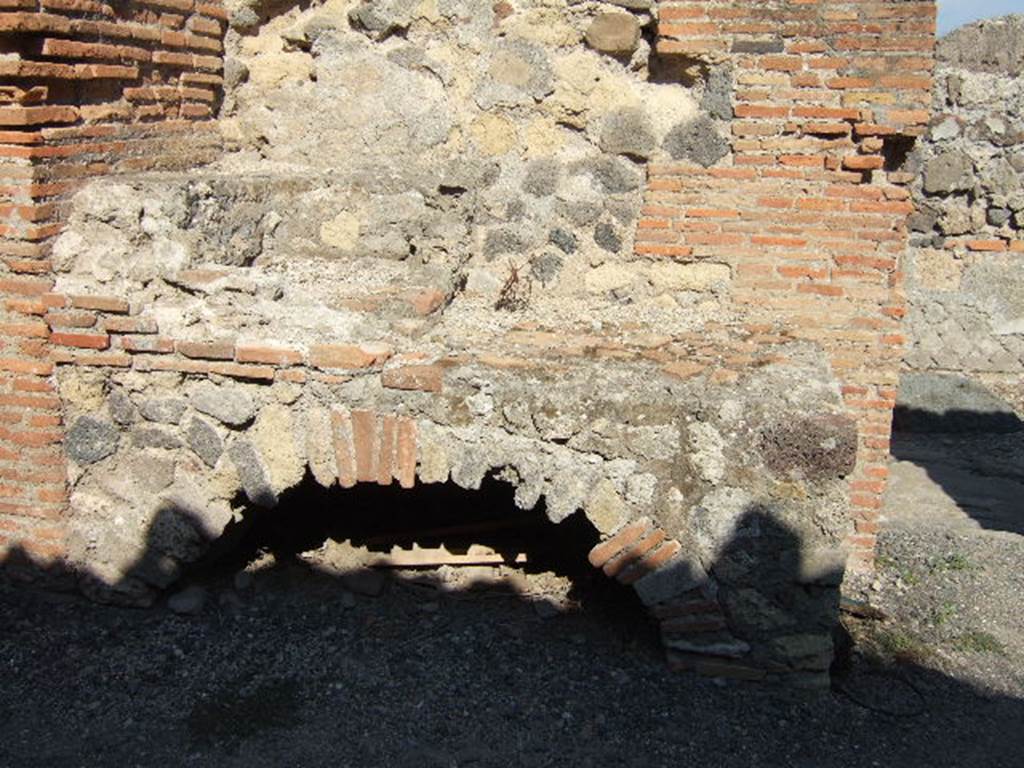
(770,605)
(970,443)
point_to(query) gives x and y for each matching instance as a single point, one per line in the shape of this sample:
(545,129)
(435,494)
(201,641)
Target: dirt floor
(293,665)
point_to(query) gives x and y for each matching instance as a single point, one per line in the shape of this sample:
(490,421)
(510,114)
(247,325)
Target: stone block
(617,34)
(252,473)
(698,141)
(229,405)
(165,410)
(628,131)
(204,441)
(320,446)
(90,439)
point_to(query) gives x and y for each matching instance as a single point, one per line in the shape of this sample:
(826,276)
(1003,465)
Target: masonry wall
(966,300)
(812,212)
(641,262)
(88,89)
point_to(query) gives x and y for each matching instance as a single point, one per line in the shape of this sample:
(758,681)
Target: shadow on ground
(974,455)
(293,668)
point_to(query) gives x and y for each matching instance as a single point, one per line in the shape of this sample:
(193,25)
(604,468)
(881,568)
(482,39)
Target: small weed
(943,614)
(910,577)
(886,563)
(979,642)
(903,646)
(954,562)
(515,293)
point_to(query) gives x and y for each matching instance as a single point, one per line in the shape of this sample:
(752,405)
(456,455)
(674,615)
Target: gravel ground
(294,669)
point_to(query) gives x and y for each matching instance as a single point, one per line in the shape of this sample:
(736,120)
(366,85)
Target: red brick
(341,423)
(692,625)
(40,402)
(25,286)
(655,560)
(714,666)
(136,324)
(632,554)
(207,350)
(70,319)
(386,450)
(269,355)
(241,371)
(28,330)
(405,454)
(863,162)
(364,444)
(212,10)
(627,536)
(37,115)
(696,604)
(31,438)
(101,304)
(156,345)
(820,290)
(25,366)
(987,245)
(424,378)
(347,356)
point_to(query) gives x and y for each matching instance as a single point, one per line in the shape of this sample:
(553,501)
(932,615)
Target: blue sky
(953,13)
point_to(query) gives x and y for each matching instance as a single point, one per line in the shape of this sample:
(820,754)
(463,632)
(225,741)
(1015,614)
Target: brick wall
(811,212)
(86,89)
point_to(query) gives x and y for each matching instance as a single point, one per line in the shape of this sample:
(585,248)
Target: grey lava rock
(154,437)
(502,241)
(673,579)
(253,474)
(717,99)
(998,216)
(235,73)
(91,439)
(610,174)
(948,172)
(606,237)
(992,45)
(166,410)
(189,602)
(629,132)
(122,409)
(542,177)
(243,580)
(546,267)
(698,141)
(380,18)
(519,72)
(204,440)
(563,239)
(228,405)
(816,446)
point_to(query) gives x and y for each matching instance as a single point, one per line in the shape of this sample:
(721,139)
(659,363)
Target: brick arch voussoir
(362,446)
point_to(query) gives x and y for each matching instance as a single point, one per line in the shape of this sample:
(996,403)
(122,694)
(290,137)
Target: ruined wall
(636,259)
(87,89)
(966,313)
